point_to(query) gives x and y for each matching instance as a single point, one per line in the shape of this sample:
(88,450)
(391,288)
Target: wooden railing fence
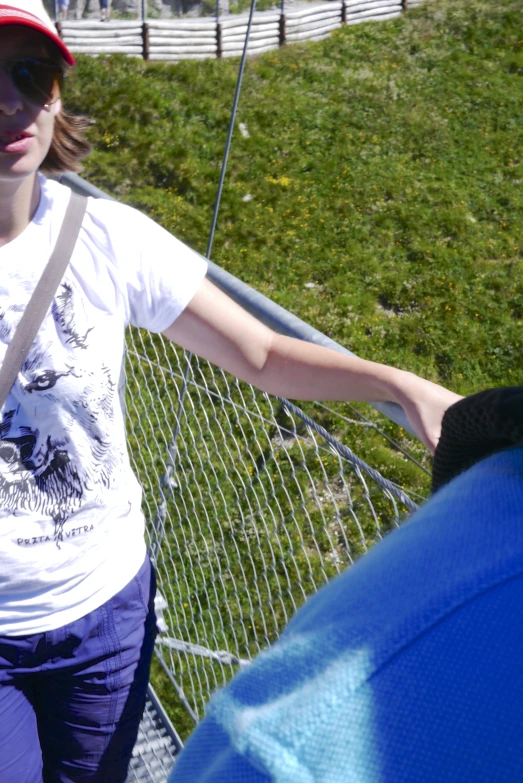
(201,38)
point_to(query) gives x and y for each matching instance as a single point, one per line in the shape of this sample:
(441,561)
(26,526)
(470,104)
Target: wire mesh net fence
(250,505)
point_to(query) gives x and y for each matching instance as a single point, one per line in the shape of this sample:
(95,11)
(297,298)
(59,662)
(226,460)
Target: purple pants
(71,700)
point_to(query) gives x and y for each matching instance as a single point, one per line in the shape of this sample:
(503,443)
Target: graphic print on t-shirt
(56,453)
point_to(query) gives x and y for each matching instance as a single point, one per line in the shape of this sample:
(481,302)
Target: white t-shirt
(70,507)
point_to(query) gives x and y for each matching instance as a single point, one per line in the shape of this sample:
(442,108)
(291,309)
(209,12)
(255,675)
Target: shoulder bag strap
(42,296)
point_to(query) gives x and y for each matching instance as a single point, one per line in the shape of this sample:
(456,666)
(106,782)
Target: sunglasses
(40,81)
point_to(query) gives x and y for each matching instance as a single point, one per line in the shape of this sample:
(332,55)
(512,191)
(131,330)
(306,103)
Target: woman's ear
(56,107)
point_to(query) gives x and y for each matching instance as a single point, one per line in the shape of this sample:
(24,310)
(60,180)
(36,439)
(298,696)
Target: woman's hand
(424,404)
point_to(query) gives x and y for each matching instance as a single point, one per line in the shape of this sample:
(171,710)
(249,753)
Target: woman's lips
(14,142)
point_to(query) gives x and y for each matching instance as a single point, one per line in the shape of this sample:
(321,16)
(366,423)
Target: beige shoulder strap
(42,296)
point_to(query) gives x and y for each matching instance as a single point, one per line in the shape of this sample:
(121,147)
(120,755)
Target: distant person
(77,623)
(104,10)
(63,8)
(407,668)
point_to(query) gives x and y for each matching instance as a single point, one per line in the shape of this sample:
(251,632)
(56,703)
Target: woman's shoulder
(108,214)
(126,238)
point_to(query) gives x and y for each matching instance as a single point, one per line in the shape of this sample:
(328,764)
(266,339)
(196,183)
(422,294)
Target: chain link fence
(250,509)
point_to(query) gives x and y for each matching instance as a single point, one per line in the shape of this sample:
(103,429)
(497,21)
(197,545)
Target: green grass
(384,164)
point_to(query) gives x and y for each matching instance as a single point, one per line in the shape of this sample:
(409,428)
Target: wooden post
(145,41)
(219,41)
(343,12)
(404,5)
(282,33)
(58,26)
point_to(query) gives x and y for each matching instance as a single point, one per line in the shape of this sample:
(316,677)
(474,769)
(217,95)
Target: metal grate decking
(156,747)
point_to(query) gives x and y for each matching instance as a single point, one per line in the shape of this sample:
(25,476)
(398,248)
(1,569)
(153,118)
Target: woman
(76,588)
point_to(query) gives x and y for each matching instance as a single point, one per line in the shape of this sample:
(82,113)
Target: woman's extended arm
(216,328)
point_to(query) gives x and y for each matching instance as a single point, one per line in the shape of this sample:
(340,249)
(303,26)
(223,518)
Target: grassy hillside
(383,164)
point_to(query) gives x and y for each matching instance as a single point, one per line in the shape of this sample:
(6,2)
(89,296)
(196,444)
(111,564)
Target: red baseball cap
(31,13)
